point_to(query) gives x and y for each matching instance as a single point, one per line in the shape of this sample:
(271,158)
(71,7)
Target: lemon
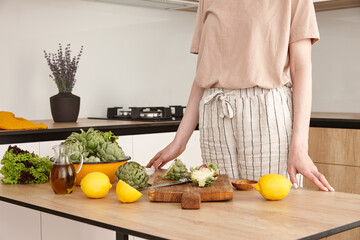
(273,186)
(95,185)
(126,193)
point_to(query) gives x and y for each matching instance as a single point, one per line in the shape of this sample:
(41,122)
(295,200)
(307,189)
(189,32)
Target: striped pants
(246,132)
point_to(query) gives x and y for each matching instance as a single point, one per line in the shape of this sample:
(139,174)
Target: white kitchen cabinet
(46,148)
(12,217)
(192,154)
(126,143)
(19,223)
(58,228)
(147,145)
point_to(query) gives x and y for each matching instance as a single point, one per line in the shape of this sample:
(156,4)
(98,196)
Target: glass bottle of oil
(63,174)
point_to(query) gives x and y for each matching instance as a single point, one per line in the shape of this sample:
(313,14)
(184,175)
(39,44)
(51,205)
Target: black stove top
(171,113)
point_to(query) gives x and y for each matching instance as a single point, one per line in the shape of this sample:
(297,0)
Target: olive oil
(62,178)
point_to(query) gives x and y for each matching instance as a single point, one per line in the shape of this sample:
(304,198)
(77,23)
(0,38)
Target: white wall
(132,55)
(140,56)
(336,62)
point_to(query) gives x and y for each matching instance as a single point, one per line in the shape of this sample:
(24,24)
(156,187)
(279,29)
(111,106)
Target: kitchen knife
(181,181)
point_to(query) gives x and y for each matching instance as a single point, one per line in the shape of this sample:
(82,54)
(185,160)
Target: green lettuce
(24,168)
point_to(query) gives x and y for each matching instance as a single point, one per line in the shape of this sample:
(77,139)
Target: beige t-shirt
(245,43)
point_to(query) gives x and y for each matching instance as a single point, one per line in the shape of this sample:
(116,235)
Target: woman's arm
(183,134)
(301,75)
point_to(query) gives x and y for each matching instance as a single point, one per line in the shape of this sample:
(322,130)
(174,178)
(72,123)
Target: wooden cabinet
(336,153)
(147,145)
(353,234)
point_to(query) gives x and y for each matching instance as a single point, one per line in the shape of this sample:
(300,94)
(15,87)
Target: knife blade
(181,181)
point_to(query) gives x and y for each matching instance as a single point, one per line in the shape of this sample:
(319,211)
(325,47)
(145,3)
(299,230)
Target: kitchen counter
(59,131)
(335,120)
(303,214)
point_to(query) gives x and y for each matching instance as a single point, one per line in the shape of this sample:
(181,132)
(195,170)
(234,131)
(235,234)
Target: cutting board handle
(190,200)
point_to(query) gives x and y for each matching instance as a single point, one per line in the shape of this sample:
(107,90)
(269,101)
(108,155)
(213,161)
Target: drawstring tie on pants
(219,96)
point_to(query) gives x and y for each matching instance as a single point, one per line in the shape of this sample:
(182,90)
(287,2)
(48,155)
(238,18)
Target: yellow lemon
(95,185)
(273,186)
(126,193)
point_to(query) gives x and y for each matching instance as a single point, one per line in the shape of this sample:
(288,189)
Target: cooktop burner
(171,113)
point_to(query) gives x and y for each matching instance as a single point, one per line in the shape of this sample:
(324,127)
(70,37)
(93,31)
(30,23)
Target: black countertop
(59,131)
(335,120)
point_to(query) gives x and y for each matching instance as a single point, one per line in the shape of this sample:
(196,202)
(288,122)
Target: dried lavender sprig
(63,67)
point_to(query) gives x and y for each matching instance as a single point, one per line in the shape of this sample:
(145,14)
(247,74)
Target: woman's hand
(183,134)
(300,162)
(169,153)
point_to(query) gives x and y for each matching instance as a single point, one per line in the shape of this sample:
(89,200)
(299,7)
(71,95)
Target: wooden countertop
(303,214)
(93,122)
(60,131)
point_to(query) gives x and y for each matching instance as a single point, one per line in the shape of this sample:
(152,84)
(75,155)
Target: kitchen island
(59,131)
(303,214)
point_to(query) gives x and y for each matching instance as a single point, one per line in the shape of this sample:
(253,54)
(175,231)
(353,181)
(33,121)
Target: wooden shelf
(336,4)
(319,6)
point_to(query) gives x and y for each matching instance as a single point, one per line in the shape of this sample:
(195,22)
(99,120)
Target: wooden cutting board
(191,195)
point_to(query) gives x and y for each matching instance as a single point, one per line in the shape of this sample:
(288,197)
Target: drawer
(335,146)
(342,178)
(351,234)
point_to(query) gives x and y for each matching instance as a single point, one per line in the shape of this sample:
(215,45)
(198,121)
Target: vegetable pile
(95,146)
(21,166)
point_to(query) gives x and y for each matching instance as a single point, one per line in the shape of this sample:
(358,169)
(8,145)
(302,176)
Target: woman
(253,118)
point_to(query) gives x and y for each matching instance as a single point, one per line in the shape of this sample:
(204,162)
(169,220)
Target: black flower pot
(65,107)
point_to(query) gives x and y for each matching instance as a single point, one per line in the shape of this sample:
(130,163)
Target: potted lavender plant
(65,106)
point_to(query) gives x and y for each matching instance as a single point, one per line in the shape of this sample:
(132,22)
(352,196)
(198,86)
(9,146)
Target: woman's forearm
(301,74)
(191,116)
(299,159)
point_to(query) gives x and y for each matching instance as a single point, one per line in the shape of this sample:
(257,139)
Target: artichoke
(77,137)
(77,148)
(92,159)
(176,171)
(109,151)
(133,174)
(94,138)
(204,175)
